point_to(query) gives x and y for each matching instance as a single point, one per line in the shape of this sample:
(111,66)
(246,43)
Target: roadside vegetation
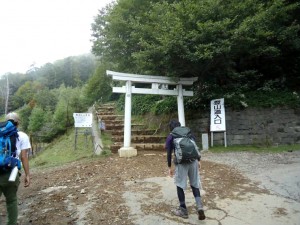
(62,150)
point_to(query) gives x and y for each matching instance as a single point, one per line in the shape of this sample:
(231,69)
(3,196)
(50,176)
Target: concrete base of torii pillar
(127,152)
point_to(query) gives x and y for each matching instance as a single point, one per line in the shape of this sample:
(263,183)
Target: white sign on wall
(83,119)
(217,115)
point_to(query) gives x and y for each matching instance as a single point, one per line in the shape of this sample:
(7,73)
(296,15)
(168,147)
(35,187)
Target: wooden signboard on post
(217,119)
(82,120)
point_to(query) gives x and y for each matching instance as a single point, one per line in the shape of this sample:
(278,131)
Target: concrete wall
(278,126)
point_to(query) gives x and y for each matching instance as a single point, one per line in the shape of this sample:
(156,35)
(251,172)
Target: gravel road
(276,172)
(272,196)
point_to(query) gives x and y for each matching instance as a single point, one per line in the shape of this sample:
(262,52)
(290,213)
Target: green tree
(61,118)
(98,86)
(36,120)
(69,102)
(24,114)
(112,32)
(26,92)
(47,131)
(231,46)
(49,76)
(46,98)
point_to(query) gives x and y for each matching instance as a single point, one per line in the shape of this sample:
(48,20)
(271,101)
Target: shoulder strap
(13,142)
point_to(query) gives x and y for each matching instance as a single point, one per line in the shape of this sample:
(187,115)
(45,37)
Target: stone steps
(104,113)
(141,137)
(139,146)
(133,132)
(120,126)
(111,117)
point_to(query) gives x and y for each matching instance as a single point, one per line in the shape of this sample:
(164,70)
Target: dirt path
(250,189)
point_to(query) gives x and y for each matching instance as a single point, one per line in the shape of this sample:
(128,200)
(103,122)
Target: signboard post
(217,119)
(82,120)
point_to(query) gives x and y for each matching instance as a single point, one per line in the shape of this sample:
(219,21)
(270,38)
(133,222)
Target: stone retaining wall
(278,126)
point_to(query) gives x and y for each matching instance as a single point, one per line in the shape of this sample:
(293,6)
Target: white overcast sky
(41,31)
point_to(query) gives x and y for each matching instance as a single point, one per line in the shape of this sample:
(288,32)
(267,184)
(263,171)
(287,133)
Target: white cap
(13,116)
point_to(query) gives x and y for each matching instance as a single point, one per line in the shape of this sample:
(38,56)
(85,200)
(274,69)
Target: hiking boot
(201,215)
(181,212)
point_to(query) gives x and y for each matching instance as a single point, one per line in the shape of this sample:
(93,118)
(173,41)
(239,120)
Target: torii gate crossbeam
(159,87)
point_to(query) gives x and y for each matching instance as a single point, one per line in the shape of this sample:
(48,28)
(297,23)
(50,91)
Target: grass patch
(257,149)
(62,150)
(106,141)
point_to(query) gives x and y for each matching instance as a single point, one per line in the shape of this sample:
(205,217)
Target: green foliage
(52,115)
(166,106)
(47,131)
(24,114)
(46,98)
(98,86)
(112,43)
(67,104)
(73,71)
(26,92)
(15,81)
(121,103)
(241,98)
(61,117)
(36,120)
(233,47)
(106,141)
(272,99)
(141,104)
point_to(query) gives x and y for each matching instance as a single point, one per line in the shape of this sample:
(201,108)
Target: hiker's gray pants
(184,171)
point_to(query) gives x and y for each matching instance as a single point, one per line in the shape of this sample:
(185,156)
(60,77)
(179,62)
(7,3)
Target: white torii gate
(159,87)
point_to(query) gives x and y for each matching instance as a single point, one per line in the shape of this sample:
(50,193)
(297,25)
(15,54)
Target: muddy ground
(104,191)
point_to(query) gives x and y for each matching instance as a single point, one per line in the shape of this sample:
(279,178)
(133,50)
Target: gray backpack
(186,149)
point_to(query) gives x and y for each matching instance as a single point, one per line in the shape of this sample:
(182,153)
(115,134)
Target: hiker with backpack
(14,147)
(187,163)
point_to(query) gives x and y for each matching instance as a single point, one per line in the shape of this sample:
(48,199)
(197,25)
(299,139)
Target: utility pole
(7,95)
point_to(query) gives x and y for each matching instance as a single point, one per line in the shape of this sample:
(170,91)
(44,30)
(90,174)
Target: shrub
(167,105)
(141,104)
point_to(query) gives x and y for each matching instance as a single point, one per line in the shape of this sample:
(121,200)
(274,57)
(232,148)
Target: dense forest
(245,51)
(47,97)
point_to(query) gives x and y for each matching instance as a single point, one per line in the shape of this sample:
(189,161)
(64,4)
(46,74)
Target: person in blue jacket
(10,188)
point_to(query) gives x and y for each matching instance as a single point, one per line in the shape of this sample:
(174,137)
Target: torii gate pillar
(127,150)
(180,105)
(156,81)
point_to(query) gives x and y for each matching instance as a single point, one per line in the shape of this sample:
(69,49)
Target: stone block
(205,143)
(127,152)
